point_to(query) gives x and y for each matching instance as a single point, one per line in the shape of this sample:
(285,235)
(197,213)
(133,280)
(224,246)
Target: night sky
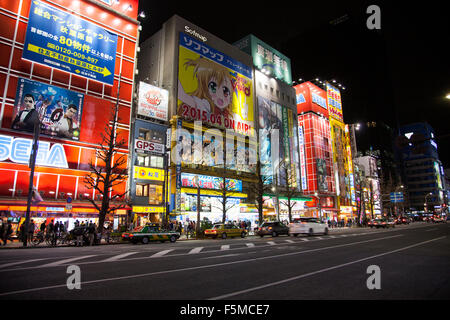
(397,75)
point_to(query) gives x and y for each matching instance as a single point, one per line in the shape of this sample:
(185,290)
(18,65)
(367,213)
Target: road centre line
(232,294)
(198,267)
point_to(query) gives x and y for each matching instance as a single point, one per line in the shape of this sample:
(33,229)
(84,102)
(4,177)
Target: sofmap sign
(64,41)
(19,150)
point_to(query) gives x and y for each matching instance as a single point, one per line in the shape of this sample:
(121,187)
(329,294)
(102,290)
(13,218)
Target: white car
(307,226)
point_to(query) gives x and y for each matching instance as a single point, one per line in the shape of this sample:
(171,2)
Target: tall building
(276,112)
(210,87)
(62,62)
(367,187)
(423,172)
(316,155)
(342,155)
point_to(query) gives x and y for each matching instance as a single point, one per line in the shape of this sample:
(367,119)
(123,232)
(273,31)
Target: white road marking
(118,257)
(320,238)
(332,236)
(64,286)
(250,245)
(290,241)
(304,239)
(232,294)
(225,247)
(60,262)
(271,243)
(195,250)
(226,255)
(19,262)
(161,253)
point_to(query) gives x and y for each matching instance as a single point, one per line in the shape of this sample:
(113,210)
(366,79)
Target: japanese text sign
(64,41)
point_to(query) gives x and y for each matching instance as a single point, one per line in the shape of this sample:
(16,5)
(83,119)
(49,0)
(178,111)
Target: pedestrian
(31,228)
(78,233)
(51,232)
(107,233)
(2,230)
(42,227)
(91,232)
(179,228)
(7,232)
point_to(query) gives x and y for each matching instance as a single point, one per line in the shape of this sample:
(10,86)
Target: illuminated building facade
(316,156)
(64,62)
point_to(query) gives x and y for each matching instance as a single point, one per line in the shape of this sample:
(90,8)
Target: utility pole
(32,164)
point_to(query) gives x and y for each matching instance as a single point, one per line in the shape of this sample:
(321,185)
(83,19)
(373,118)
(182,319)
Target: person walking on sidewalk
(91,232)
(30,231)
(7,230)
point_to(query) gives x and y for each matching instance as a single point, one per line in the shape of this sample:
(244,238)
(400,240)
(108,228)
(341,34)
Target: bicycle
(40,237)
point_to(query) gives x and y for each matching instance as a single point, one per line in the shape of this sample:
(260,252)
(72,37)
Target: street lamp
(426,202)
(316,194)
(396,189)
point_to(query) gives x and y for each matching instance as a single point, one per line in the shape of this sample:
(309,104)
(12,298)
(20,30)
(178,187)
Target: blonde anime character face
(220,93)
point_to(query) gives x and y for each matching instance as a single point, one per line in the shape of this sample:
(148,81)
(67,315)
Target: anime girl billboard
(214,88)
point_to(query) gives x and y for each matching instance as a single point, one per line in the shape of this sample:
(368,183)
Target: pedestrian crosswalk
(173,251)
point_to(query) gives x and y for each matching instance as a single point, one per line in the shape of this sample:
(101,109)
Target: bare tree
(290,190)
(263,187)
(108,172)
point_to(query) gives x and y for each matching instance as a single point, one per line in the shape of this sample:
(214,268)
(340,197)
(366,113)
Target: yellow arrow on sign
(58,56)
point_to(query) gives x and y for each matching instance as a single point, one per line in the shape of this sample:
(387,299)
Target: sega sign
(147,146)
(19,150)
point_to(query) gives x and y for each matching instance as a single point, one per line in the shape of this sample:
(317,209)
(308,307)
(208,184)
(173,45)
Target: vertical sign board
(301,142)
(66,42)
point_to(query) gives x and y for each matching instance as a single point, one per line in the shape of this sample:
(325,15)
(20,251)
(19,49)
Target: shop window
(142,190)
(152,191)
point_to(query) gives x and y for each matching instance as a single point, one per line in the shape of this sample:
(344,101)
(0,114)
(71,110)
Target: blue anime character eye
(212,86)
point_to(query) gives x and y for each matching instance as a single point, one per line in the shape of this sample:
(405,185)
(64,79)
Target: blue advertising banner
(214,55)
(58,109)
(64,41)
(209,182)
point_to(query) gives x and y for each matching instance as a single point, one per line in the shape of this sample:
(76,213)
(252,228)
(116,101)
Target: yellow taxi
(224,230)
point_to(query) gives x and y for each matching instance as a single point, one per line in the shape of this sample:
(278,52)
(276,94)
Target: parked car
(402,220)
(382,223)
(225,230)
(150,232)
(307,226)
(274,229)
(438,219)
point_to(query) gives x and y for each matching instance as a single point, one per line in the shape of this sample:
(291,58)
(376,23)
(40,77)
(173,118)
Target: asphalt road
(413,262)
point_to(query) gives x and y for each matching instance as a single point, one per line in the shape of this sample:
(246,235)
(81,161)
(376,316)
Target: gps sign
(147,146)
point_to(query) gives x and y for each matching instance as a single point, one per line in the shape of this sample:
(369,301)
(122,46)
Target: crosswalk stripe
(290,241)
(304,239)
(271,243)
(19,262)
(196,250)
(118,257)
(332,236)
(225,247)
(60,262)
(250,244)
(161,253)
(320,238)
